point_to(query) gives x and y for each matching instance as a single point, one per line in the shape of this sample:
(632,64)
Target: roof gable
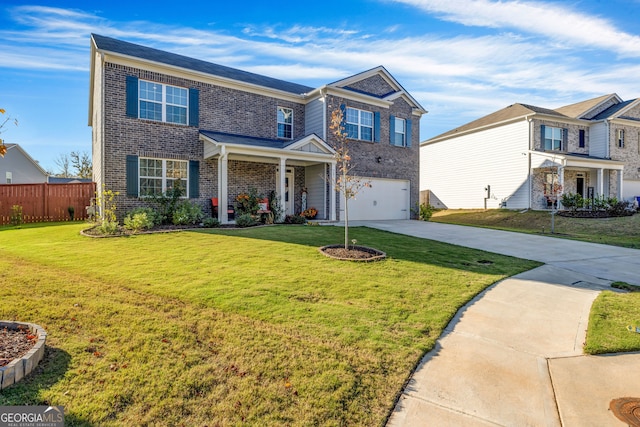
(388,91)
(15,148)
(618,110)
(581,110)
(133,50)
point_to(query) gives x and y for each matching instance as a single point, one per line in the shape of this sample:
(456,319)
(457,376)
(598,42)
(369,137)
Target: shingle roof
(578,109)
(246,140)
(611,111)
(131,49)
(511,112)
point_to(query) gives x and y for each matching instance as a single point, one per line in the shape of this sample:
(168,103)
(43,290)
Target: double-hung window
(285,123)
(552,138)
(163,103)
(156,176)
(359,124)
(400,133)
(620,138)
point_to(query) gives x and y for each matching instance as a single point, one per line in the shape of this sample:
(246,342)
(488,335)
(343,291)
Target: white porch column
(223,180)
(561,183)
(620,180)
(282,186)
(600,183)
(332,193)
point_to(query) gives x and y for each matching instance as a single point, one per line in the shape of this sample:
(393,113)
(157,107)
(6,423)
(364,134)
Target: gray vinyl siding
(316,189)
(313,118)
(457,170)
(22,169)
(598,140)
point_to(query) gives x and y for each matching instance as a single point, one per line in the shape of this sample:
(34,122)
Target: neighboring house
(17,167)
(515,157)
(70,180)
(158,117)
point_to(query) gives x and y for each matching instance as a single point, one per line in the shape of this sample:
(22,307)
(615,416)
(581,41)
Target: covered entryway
(385,199)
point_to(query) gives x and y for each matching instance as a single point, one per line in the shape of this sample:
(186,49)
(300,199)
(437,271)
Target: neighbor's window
(163,103)
(359,124)
(399,138)
(159,175)
(550,181)
(620,138)
(552,138)
(9,176)
(285,122)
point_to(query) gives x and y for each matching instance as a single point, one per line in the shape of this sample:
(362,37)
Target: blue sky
(461,59)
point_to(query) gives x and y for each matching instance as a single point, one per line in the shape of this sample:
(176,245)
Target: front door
(580,186)
(289,195)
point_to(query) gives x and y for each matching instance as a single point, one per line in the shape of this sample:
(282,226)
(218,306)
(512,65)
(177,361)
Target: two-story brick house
(518,156)
(158,117)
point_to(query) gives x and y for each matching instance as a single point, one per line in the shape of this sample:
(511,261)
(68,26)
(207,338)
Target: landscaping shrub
(294,219)
(168,202)
(16,215)
(245,220)
(572,201)
(211,223)
(247,203)
(187,213)
(139,219)
(425,212)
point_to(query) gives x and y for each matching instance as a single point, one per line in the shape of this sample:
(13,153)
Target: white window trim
(620,138)
(359,124)
(403,133)
(553,139)
(9,177)
(284,123)
(163,177)
(164,103)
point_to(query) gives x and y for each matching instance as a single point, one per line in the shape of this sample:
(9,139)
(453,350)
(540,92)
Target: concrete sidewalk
(513,356)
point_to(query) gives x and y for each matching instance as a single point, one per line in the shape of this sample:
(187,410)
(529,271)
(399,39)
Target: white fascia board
(379,70)
(355,96)
(626,122)
(249,150)
(172,70)
(613,96)
(569,161)
(311,139)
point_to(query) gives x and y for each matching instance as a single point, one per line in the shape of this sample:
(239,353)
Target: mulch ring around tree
(353,253)
(15,343)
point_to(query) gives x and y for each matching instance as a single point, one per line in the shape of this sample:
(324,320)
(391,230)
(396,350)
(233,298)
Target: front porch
(284,167)
(554,174)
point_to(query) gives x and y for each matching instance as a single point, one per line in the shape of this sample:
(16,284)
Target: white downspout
(531,130)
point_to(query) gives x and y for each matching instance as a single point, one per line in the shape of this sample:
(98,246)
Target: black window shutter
(343,124)
(408,132)
(582,138)
(194,102)
(542,146)
(392,130)
(376,127)
(565,139)
(194,179)
(132,176)
(132,96)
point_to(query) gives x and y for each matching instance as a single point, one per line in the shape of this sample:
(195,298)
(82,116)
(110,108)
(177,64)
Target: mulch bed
(353,253)
(591,214)
(15,343)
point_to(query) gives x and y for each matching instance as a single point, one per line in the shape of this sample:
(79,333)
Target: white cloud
(543,18)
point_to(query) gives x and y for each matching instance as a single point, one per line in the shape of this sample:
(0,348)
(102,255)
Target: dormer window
(285,123)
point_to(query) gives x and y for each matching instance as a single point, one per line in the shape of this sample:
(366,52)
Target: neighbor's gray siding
(22,169)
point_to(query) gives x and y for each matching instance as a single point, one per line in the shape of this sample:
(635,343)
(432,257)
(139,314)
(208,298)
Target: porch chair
(231,211)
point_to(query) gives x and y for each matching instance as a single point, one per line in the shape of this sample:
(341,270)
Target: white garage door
(385,199)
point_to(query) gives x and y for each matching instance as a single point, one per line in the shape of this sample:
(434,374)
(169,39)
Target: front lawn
(231,327)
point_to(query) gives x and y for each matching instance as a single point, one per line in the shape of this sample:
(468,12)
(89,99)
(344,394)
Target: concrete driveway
(513,356)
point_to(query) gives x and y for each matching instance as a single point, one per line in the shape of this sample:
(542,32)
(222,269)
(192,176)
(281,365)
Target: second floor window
(163,103)
(159,175)
(552,138)
(400,131)
(620,138)
(285,122)
(359,124)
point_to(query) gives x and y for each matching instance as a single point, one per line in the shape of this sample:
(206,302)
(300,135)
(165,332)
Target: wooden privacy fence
(46,202)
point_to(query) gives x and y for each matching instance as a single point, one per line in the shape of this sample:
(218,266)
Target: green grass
(623,231)
(231,327)
(610,316)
